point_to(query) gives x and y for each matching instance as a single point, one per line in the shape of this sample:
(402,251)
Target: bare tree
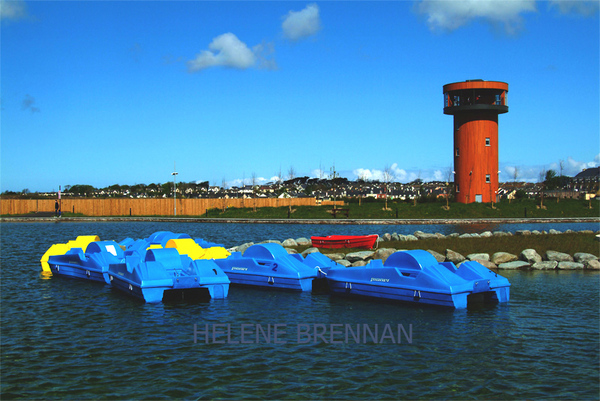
(243,185)
(254,189)
(291,173)
(418,191)
(515,178)
(449,179)
(279,176)
(543,173)
(332,176)
(388,176)
(561,164)
(224,187)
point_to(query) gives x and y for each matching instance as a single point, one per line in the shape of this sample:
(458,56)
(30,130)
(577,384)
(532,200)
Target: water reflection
(45,275)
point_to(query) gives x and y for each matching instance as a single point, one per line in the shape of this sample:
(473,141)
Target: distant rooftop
(589,172)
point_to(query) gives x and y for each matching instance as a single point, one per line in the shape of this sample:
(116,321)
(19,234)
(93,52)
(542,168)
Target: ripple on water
(73,339)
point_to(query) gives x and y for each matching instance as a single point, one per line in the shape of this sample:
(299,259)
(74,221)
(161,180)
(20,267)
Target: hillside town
(582,186)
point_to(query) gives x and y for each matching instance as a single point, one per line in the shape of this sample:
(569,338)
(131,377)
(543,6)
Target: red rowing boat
(345,241)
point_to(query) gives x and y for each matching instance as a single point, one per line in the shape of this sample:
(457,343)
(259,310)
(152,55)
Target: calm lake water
(71,339)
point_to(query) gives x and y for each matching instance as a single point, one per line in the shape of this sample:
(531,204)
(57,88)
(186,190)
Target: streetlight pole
(174,174)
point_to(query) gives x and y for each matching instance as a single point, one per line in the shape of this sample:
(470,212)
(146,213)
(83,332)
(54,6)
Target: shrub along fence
(146,207)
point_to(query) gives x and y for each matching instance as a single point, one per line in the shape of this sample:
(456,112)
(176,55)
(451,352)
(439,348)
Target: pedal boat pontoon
(270,266)
(90,264)
(148,277)
(417,277)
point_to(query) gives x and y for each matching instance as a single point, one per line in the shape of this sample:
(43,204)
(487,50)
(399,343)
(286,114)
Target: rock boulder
(486,263)
(358,256)
(409,237)
(558,256)
(422,235)
(582,257)
(530,256)
(242,248)
(479,256)
(309,250)
(454,257)
(303,241)
(335,256)
(503,257)
(517,264)
(289,242)
(569,266)
(544,265)
(592,264)
(438,256)
(383,253)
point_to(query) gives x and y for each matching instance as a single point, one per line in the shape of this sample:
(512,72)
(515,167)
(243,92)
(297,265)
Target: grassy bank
(431,210)
(567,243)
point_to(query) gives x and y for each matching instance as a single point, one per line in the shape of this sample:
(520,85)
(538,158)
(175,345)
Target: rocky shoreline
(528,259)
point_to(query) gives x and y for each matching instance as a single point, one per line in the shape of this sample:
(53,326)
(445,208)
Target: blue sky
(113,92)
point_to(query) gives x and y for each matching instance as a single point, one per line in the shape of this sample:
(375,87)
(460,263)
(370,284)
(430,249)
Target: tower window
(487,178)
(487,141)
(457,190)
(456,152)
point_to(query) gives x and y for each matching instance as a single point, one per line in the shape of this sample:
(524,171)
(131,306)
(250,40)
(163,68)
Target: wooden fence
(145,207)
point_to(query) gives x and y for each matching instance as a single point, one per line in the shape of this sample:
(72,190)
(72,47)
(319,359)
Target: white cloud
(527,173)
(398,174)
(226,50)
(319,173)
(450,15)
(583,7)
(302,24)
(240,182)
(14,9)
(264,53)
(571,168)
(368,174)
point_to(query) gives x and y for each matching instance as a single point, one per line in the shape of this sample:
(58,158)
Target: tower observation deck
(475,105)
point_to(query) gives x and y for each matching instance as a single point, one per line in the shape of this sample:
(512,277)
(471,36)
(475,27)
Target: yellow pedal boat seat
(82,242)
(187,246)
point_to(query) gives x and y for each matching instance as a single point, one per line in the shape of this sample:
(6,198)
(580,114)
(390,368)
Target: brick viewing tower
(475,105)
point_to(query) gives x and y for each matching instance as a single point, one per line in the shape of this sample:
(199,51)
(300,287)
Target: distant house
(588,175)
(587,181)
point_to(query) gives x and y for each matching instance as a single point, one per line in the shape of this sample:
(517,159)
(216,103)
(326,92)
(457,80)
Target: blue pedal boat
(161,270)
(160,239)
(90,264)
(416,276)
(269,265)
